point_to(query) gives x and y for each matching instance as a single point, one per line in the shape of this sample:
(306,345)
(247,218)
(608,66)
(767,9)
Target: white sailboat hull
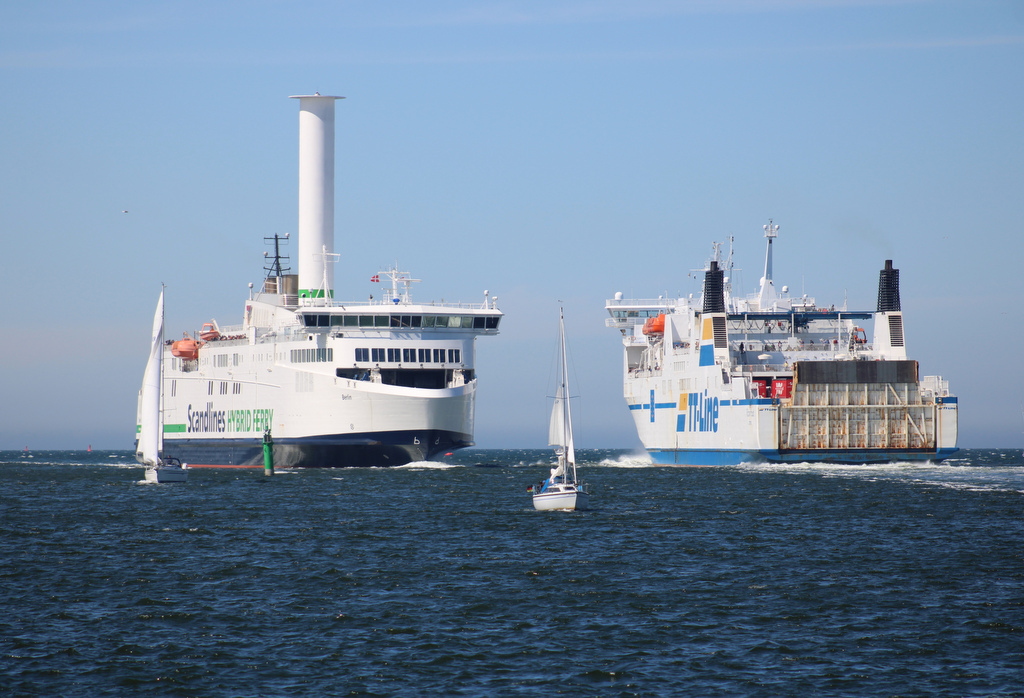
(570,497)
(166,474)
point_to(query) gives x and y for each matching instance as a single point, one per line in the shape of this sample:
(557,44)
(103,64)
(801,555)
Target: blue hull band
(852,457)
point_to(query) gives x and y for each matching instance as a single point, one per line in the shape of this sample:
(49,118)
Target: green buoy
(268,453)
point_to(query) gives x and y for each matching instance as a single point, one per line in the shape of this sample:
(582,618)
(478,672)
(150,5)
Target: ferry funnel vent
(714,289)
(888,288)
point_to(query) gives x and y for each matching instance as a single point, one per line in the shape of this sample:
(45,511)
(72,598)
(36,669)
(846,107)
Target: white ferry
(722,380)
(332,384)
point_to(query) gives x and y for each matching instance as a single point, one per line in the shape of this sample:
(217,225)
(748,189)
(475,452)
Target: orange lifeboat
(655,325)
(185,348)
(209,332)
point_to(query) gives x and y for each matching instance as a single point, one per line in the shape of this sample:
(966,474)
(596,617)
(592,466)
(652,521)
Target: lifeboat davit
(655,325)
(209,332)
(185,348)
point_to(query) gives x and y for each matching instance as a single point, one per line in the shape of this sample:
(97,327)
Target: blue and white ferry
(722,380)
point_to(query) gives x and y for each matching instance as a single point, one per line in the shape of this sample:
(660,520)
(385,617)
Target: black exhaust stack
(888,288)
(714,289)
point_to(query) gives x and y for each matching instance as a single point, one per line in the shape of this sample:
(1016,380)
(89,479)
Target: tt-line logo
(701,413)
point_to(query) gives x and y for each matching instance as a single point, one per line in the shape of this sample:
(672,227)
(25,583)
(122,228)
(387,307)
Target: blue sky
(549,152)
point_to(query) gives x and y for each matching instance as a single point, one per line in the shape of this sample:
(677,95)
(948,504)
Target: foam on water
(953,474)
(428,465)
(629,460)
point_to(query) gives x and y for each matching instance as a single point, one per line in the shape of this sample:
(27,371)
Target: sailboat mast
(567,440)
(160,380)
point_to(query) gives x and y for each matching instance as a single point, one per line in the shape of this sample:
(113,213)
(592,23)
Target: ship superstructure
(770,377)
(383,381)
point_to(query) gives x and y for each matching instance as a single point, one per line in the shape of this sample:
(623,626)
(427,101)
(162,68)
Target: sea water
(441,579)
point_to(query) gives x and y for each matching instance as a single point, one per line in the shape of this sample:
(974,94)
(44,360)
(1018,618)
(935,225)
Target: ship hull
(217,415)
(322,451)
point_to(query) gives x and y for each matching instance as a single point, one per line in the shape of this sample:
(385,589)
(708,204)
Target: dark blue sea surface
(431,579)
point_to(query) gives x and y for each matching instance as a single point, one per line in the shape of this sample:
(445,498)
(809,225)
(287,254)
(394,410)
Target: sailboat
(563,489)
(151,432)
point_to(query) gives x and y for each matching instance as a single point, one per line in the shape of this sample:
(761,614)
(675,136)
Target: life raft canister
(655,325)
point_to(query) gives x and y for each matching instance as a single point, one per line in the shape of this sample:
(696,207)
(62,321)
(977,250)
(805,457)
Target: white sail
(560,428)
(150,434)
(557,429)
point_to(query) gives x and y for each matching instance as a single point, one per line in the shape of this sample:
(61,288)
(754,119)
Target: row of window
(375,355)
(477,322)
(223,360)
(655,312)
(409,356)
(304,356)
(236,388)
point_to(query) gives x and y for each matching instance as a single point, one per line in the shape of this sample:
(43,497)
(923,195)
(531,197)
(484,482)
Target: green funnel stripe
(168,428)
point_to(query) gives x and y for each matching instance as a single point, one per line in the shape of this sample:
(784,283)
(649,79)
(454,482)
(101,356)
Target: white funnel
(316,195)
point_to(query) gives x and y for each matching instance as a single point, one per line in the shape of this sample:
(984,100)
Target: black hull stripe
(325,451)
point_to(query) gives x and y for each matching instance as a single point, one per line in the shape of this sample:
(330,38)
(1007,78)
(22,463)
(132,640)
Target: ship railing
(232,329)
(491,304)
(761,368)
(642,303)
(934,386)
(790,346)
(644,372)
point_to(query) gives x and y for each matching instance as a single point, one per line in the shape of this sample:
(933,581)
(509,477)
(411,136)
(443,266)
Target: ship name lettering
(702,412)
(207,420)
(220,421)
